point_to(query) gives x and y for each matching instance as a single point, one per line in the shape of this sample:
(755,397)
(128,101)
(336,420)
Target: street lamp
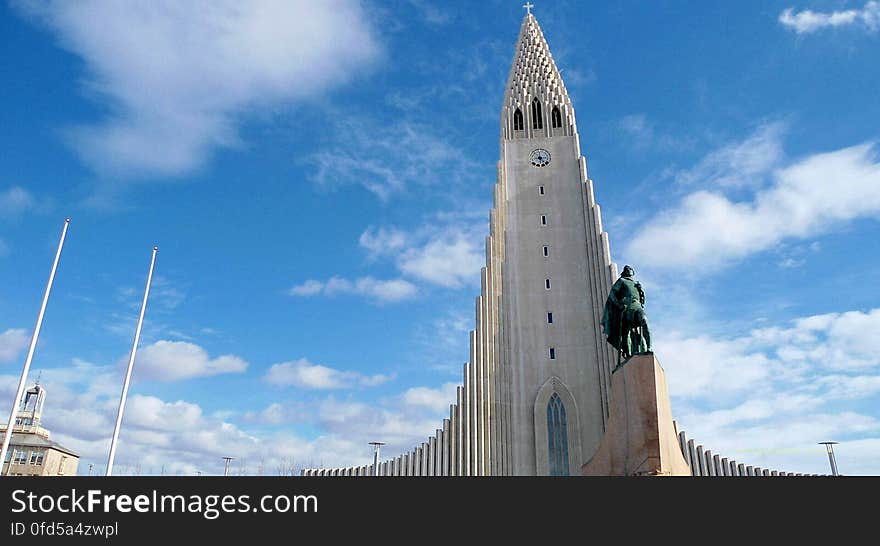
(226,468)
(830,448)
(376,447)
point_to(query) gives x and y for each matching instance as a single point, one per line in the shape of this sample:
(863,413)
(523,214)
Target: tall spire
(534,75)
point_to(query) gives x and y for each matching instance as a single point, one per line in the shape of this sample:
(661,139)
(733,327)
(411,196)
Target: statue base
(640,438)
(627,359)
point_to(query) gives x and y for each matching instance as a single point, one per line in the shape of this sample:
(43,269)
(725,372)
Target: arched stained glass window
(537,117)
(557,434)
(556,117)
(517,120)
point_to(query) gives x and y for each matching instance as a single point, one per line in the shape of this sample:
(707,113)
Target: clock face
(540,157)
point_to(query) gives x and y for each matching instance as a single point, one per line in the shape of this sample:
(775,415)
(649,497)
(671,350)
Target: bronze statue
(624,321)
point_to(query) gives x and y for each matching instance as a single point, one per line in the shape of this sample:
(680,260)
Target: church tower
(534,398)
(556,272)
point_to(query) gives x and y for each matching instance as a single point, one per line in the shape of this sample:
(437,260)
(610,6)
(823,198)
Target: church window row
(537,117)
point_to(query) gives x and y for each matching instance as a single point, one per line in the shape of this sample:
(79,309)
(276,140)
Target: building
(534,399)
(31,452)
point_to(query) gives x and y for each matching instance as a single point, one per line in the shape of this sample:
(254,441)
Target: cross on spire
(528,6)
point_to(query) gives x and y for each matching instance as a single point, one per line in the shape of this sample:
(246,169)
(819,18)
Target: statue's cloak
(611,318)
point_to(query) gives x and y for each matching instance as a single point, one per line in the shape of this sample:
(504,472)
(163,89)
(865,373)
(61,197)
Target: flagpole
(137,336)
(30,355)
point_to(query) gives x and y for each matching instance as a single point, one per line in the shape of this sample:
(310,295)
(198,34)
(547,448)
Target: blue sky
(318,178)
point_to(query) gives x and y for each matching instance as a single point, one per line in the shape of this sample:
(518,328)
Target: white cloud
(437,400)
(15,200)
(758,409)
(835,341)
(308,288)
(640,132)
(178,360)
(392,290)
(278,414)
(808,21)
(177,75)
(637,126)
(165,295)
(447,251)
(858,457)
(826,345)
(849,386)
(400,429)
(450,259)
(12,342)
(302,373)
(791,263)
(787,441)
(180,437)
(443,341)
(703,366)
(768,397)
(151,413)
(442,252)
(739,164)
(387,159)
(436,15)
(382,241)
(815,194)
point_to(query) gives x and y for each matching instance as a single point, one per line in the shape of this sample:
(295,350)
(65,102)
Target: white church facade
(540,395)
(534,397)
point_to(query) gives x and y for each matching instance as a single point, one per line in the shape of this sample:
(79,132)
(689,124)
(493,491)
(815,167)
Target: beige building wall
(54,463)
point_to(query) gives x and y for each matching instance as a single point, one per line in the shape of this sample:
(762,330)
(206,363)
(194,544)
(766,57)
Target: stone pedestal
(640,439)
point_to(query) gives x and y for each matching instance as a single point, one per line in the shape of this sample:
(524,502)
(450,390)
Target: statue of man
(624,321)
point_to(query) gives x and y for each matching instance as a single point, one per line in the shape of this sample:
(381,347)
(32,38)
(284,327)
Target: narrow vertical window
(552,353)
(518,120)
(543,220)
(549,318)
(541,190)
(547,284)
(546,250)
(537,118)
(556,117)
(557,437)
